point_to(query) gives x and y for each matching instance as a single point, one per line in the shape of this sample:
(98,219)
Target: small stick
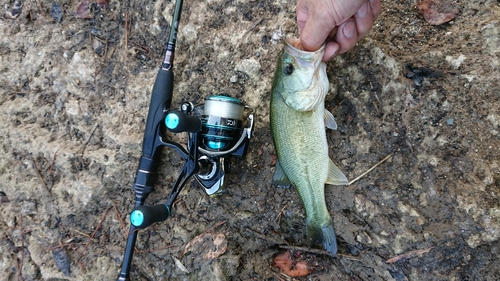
(337,105)
(20,271)
(120,218)
(309,250)
(369,170)
(39,174)
(51,172)
(154,250)
(410,254)
(252,26)
(64,245)
(54,157)
(278,217)
(106,50)
(88,140)
(93,234)
(40,7)
(215,226)
(84,234)
(277,276)
(319,252)
(126,31)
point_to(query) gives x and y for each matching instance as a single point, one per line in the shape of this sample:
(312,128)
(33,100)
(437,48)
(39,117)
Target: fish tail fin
(322,233)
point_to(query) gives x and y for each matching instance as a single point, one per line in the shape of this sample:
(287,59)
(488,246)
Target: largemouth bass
(298,120)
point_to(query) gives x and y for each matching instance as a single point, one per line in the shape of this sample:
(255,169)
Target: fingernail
(349,28)
(363,10)
(332,56)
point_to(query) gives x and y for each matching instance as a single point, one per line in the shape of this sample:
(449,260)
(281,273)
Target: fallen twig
(252,26)
(50,180)
(120,219)
(369,170)
(278,217)
(337,105)
(88,140)
(215,226)
(319,252)
(93,234)
(277,276)
(409,255)
(64,245)
(126,31)
(153,250)
(40,175)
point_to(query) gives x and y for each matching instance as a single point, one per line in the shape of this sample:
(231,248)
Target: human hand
(339,23)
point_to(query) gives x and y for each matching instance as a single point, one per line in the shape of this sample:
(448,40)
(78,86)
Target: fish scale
(309,140)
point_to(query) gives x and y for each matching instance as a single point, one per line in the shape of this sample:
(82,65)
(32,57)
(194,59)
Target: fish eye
(288,69)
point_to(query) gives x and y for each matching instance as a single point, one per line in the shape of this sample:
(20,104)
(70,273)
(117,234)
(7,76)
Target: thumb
(316,29)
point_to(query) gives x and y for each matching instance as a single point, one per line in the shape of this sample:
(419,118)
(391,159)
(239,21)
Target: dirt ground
(75,94)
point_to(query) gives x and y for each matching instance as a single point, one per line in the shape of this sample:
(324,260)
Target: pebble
(277,35)
(233,79)
(249,66)
(56,12)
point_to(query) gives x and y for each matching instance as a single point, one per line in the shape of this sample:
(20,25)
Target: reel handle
(178,122)
(144,216)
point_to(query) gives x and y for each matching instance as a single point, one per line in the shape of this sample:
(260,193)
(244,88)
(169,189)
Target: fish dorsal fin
(335,175)
(329,120)
(279,178)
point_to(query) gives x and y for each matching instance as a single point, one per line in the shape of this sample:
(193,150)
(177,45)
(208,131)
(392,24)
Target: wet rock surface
(75,94)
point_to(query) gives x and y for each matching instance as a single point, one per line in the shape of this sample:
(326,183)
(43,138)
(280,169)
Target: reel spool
(222,122)
(222,136)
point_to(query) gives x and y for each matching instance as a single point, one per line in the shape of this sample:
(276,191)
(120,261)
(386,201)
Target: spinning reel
(214,136)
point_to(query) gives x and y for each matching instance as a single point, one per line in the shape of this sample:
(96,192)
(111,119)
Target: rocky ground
(75,93)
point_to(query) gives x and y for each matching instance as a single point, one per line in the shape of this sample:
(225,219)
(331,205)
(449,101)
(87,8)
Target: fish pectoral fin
(329,120)
(335,175)
(279,178)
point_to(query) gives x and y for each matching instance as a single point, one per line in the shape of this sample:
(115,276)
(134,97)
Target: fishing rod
(213,137)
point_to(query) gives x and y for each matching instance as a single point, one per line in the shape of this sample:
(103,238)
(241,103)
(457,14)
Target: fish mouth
(314,77)
(294,48)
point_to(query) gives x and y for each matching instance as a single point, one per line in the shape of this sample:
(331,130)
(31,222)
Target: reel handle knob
(144,216)
(178,122)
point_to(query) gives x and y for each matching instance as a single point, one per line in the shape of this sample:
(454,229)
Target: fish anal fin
(329,120)
(279,178)
(335,175)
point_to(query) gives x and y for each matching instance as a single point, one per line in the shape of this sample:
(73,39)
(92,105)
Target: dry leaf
(83,10)
(437,12)
(290,266)
(208,246)
(103,4)
(180,266)
(408,255)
